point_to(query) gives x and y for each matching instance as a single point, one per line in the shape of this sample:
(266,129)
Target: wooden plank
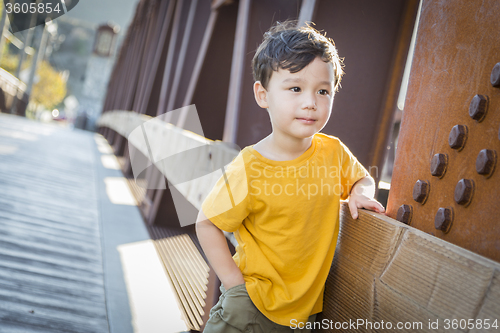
(51,273)
(386,270)
(194,319)
(197,293)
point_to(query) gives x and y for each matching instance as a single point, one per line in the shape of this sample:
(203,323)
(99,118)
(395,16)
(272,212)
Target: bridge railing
(385,274)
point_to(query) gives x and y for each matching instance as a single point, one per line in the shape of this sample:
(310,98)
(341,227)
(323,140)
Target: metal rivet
(485,162)
(495,76)
(478,107)
(464,192)
(405,213)
(421,191)
(439,164)
(458,137)
(444,219)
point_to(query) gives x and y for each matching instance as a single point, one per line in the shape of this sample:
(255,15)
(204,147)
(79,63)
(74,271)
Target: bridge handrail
(195,191)
(9,82)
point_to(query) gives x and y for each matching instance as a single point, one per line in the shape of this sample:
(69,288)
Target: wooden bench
(383,270)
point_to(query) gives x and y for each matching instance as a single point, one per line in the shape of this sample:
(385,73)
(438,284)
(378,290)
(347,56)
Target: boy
(284,193)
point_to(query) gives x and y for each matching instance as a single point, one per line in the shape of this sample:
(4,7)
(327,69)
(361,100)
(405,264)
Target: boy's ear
(260,94)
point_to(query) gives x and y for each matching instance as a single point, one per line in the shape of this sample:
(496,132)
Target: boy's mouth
(306,120)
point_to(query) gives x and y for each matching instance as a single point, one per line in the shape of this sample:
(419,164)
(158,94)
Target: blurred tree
(50,87)
(9,61)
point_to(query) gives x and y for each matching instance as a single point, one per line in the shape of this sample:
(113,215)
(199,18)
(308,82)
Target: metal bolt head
(421,191)
(439,164)
(478,107)
(485,162)
(495,76)
(405,213)
(444,219)
(458,136)
(464,191)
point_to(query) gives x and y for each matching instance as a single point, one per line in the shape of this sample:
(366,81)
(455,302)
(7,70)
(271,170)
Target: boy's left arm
(362,196)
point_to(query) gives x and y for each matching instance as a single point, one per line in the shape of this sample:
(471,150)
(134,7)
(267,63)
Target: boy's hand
(362,197)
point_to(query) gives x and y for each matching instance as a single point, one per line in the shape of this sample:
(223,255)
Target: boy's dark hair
(289,47)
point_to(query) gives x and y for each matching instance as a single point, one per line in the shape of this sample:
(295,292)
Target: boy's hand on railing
(362,195)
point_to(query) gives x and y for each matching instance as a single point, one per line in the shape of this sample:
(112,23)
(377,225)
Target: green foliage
(9,62)
(50,89)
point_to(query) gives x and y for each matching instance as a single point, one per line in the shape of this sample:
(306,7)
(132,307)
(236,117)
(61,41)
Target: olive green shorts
(236,313)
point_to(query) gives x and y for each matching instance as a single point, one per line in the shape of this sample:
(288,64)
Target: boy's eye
(323,92)
(295,89)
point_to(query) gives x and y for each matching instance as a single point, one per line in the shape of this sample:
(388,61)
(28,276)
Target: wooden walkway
(51,267)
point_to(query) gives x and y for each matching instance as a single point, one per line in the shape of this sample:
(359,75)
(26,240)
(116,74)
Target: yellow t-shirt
(285,217)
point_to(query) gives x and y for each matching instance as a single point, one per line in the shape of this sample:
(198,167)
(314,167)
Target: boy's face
(299,104)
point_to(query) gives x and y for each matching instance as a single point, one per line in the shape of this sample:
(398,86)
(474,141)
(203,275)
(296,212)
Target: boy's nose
(310,103)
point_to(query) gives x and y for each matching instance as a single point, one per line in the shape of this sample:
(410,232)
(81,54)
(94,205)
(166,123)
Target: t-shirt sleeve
(227,205)
(352,171)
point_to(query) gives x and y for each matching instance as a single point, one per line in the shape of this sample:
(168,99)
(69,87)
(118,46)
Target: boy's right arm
(214,244)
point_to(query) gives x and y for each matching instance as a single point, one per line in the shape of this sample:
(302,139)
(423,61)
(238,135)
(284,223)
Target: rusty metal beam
(455,53)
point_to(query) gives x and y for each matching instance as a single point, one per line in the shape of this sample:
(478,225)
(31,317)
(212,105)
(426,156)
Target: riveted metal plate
(453,61)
